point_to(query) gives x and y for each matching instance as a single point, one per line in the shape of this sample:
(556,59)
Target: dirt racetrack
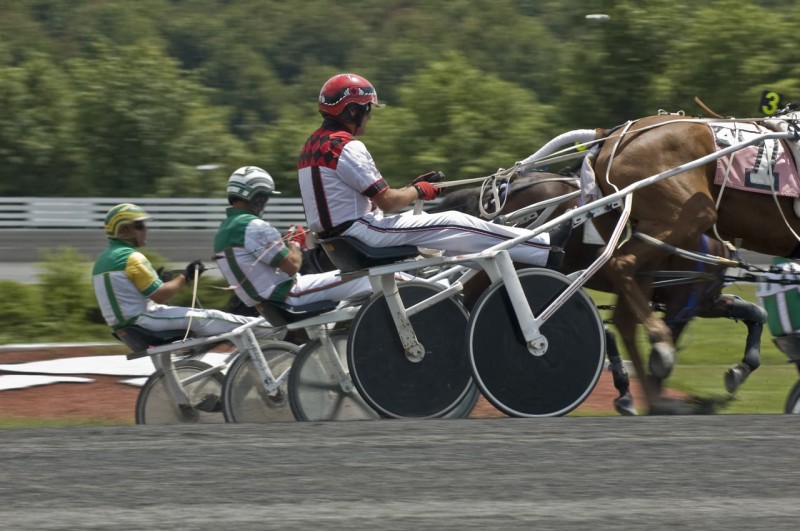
(108,401)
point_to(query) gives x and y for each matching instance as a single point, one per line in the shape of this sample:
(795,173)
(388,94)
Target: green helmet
(249,181)
(123,214)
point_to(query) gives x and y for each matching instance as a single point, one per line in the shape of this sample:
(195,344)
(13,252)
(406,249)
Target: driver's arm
(394,199)
(168,290)
(140,271)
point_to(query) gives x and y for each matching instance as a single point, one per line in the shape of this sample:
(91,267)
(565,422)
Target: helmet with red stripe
(343,89)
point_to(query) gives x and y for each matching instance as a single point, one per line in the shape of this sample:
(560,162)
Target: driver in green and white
(129,291)
(258,263)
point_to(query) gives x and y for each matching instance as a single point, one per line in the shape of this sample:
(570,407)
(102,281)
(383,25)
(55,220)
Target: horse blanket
(766,167)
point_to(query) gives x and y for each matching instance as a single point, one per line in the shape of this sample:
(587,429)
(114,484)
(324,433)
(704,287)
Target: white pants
(326,287)
(204,323)
(451,231)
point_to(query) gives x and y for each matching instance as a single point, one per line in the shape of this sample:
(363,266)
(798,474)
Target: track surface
(723,472)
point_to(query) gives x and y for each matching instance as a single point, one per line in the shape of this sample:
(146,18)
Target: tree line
(165,98)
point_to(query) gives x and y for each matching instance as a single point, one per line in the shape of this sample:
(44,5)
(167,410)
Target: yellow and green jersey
(123,279)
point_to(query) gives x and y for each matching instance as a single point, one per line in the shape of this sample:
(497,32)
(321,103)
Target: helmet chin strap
(358,119)
(258,203)
(348,119)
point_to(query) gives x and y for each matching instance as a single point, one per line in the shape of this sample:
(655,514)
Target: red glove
(426,191)
(296,233)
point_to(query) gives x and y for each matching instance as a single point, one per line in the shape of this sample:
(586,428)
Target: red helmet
(342,89)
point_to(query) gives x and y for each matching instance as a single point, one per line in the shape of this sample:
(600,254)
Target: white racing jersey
(337,178)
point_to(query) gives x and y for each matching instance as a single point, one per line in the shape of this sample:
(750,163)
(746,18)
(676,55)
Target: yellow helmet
(123,214)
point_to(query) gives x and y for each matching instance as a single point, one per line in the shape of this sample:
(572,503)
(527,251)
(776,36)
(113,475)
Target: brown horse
(698,295)
(677,210)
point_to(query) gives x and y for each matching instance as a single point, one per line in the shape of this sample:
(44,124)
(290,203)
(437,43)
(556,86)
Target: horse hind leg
(754,318)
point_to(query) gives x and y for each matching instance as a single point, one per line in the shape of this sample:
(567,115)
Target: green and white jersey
(781,298)
(123,279)
(248,251)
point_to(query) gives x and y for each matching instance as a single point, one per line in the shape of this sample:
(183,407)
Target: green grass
(708,347)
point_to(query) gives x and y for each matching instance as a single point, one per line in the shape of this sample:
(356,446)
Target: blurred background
(163,99)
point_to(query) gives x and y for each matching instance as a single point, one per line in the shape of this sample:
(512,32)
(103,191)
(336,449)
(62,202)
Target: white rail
(168,213)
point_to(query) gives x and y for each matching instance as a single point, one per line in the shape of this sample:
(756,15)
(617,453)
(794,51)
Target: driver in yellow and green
(129,291)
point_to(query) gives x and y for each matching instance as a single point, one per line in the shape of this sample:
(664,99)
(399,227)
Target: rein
(754,273)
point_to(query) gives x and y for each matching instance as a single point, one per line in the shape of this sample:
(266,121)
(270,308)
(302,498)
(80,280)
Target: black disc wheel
(388,380)
(793,401)
(155,404)
(317,392)
(518,382)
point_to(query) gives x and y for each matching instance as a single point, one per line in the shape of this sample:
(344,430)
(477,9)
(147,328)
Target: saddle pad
(764,167)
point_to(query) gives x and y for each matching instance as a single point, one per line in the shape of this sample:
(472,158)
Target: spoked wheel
(388,381)
(156,406)
(315,390)
(793,401)
(245,398)
(509,375)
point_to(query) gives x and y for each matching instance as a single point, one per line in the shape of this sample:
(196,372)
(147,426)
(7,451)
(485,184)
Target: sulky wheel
(155,405)
(465,407)
(514,380)
(316,392)
(388,381)
(793,400)
(245,398)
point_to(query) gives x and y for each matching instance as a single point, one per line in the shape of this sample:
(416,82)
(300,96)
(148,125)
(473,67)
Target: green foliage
(66,295)
(455,118)
(132,104)
(20,309)
(34,129)
(128,98)
(749,49)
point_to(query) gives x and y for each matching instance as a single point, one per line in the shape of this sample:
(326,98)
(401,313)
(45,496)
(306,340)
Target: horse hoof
(710,405)
(624,405)
(670,406)
(662,359)
(735,376)
(210,403)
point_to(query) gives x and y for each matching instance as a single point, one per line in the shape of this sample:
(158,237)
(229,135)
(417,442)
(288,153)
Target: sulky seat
(280,314)
(139,339)
(349,254)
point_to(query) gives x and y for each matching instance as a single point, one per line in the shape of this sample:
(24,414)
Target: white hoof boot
(662,359)
(624,405)
(735,376)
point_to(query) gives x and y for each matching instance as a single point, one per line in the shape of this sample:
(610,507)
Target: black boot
(558,239)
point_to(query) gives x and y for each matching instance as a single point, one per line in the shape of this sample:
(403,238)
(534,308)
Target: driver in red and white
(344,193)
